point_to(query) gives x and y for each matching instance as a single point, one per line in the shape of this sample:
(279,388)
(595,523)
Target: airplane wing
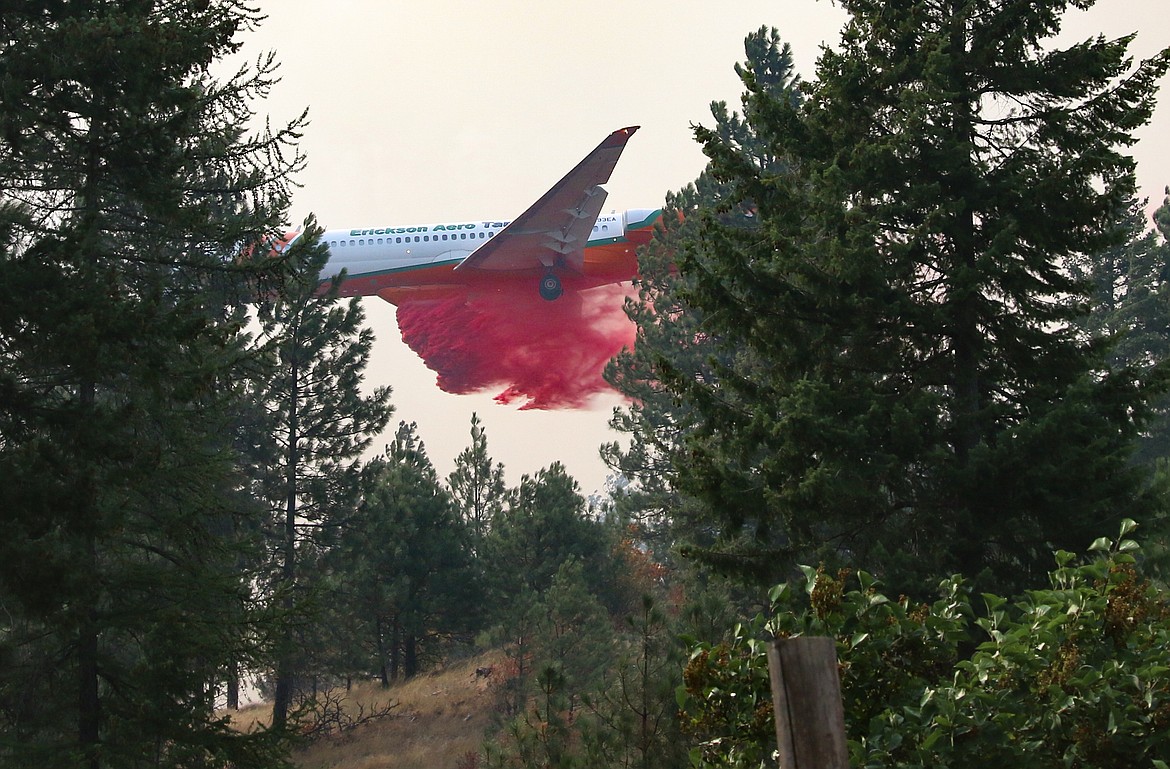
(554,230)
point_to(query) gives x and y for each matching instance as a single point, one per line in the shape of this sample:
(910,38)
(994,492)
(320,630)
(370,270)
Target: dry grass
(439,719)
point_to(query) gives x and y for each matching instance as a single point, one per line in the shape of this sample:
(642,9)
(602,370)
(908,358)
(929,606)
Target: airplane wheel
(550,288)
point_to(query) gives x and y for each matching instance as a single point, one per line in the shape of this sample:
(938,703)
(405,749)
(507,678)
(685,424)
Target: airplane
(562,241)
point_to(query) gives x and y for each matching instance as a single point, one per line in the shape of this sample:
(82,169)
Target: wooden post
(806,697)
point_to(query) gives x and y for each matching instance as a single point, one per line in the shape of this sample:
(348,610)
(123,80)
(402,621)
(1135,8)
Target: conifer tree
(568,643)
(130,192)
(1154,445)
(477,486)
(634,711)
(406,564)
(914,393)
(1130,306)
(543,524)
(670,333)
(319,422)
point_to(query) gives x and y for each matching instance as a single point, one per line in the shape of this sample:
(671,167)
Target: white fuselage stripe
(380,250)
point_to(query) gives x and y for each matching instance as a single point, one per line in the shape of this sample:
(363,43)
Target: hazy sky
(446,111)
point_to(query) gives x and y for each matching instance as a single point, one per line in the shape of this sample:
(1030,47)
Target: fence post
(806,698)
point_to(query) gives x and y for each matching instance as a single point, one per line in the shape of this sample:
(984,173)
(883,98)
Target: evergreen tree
(1154,443)
(127,193)
(477,486)
(670,333)
(318,424)
(543,525)
(571,643)
(405,563)
(590,688)
(634,712)
(1130,305)
(572,634)
(913,392)
(1162,218)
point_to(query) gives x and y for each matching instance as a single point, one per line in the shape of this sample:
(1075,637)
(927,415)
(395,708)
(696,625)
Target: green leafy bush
(1073,675)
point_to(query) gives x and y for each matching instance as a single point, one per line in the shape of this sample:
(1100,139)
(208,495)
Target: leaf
(1100,544)
(931,738)
(810,578)
(993,601)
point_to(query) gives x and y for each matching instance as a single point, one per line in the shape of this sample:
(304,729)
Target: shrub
(1073,675)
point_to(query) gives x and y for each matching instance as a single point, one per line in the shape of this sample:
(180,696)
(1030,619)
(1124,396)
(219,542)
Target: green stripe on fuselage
(652,217)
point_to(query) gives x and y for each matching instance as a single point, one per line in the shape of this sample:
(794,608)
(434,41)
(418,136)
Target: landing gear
(550,288)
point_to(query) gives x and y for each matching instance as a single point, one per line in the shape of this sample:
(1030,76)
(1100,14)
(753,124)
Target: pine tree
(914,394)
(1151,319)
(1130,306)
(568,644)
(477,486)
(406,563)
(634,712)
(543,524)
(318,424)
(671,339)
(128,195)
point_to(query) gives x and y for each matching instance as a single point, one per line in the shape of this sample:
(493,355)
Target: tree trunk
(410,657)
(395,641)
(382,653)
(233,688)
(966,334)
(282,696)
(89,700)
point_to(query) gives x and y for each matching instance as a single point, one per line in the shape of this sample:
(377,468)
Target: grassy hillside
(438,720)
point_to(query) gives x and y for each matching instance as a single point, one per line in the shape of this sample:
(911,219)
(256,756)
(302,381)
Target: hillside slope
(438,720)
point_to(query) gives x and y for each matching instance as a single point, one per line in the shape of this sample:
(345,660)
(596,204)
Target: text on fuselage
(435,228)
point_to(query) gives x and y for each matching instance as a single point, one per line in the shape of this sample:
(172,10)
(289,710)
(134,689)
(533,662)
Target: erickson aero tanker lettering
(563,241)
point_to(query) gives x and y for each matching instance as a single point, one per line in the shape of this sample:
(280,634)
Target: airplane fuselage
(398,263)
(562,241)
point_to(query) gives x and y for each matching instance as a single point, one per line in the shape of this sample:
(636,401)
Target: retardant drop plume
(548,354)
